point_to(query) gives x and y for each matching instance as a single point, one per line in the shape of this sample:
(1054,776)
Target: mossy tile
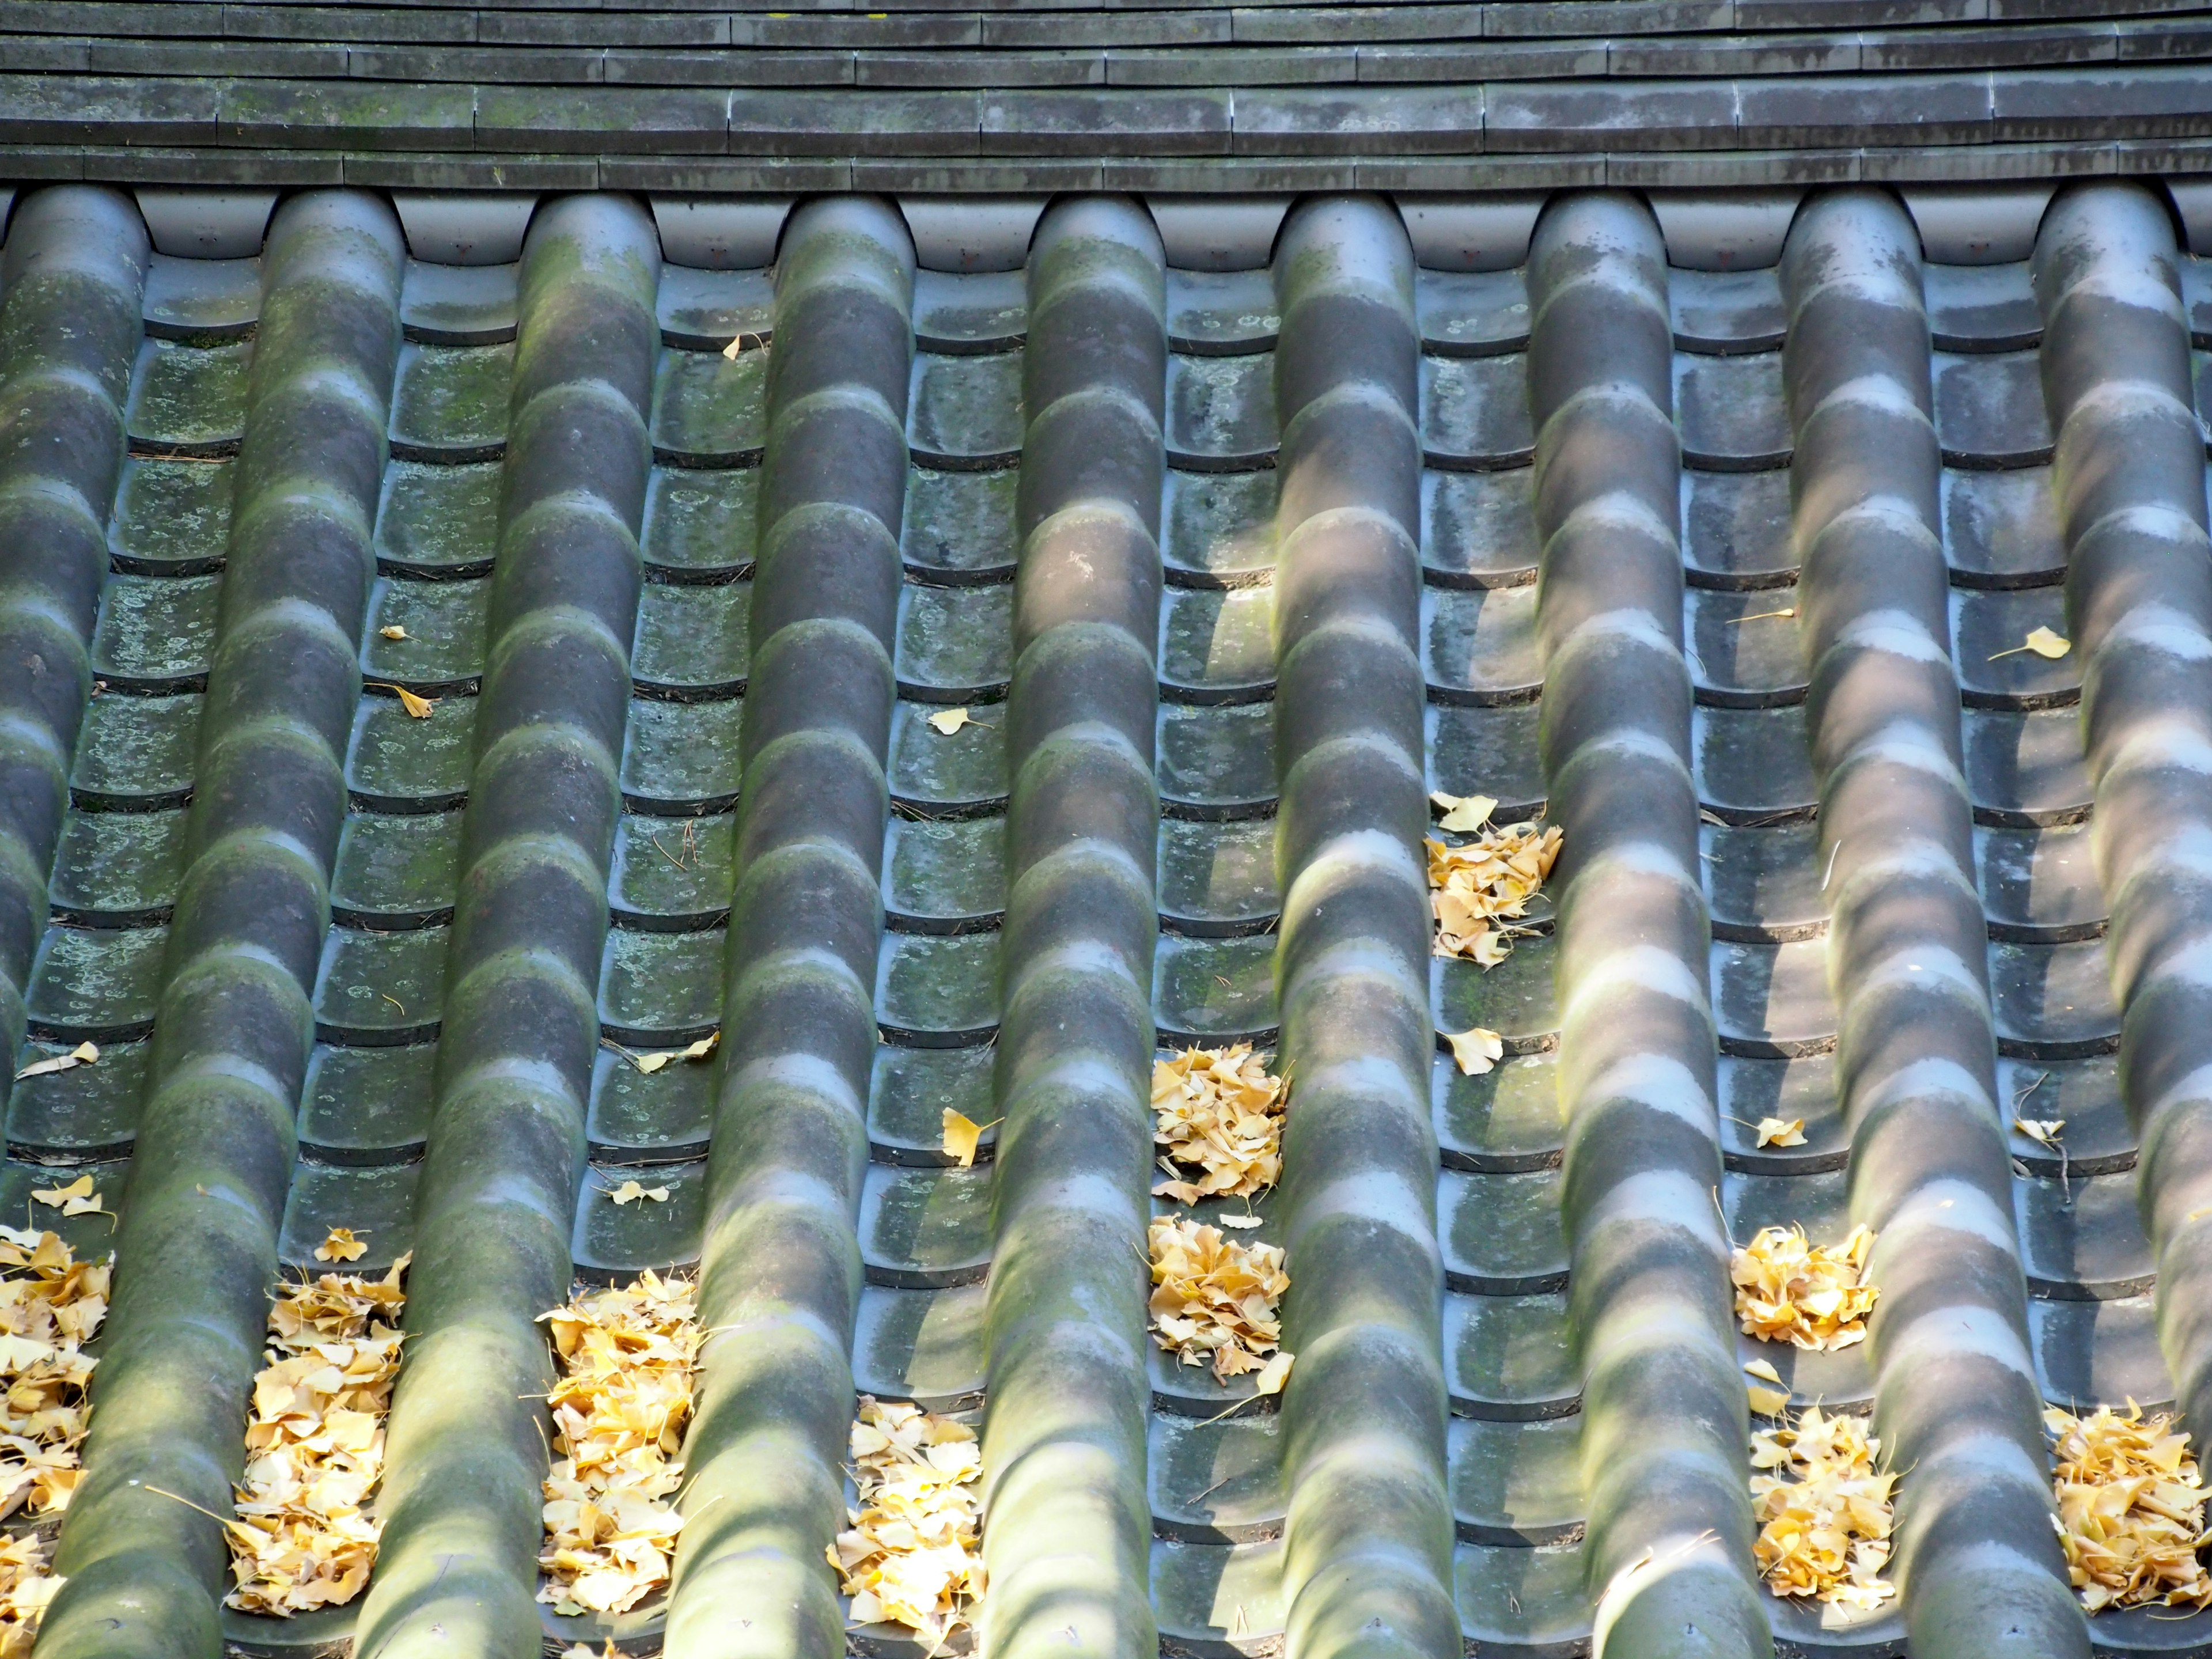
(944,875)
(704,310)
(682,757)
(1218,876)
(1517,1600)
(639,1117)
(911,1090)
(397,868)
(1517,998)
(2099,1353)
(381,987)
(92,1236)
(1488,751)
(1222,312)
(83,1112)
(617,1241)
(1221,410)
(2084,1095)
(438,520)
(188,399)
(661,989)
(156,633)
(171,517)
(1217,761)
(1736,527)
(202,298)
(375,1201)
(2082,1237)
(398,762)
(1745,647)
(443,622)
(699,520)
(1474,410)
(1819,1202)
(693,641)
(2053,1001)
(965,411)
(1502,1233)
(936,992)
(367,1105)
(1510,1357)
(1764,881)
(1216,1482)
(1475,314)
(965,311)
(1516,1483)
(955,641)
(2028,768)
(1731,410)
(1753,764)
(458,305)
(1479,529)
(1773,1000)
(672,874)
(926,1227)
(136,753)
(1219,1598)
(450,402)
(116,869)
(1509,1118)
(1216,645)
(710,409)
(2001,529)
(2044,879)
(1987,628)
(960,526)
(1218,528)
(1723,311)
(922,1345)
(1990,410)
(98,984)
(1209,989)
(1800,1090)
(934,772)
(1480,645)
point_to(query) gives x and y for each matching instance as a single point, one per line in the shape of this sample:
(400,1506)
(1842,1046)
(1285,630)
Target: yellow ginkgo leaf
(417,707)
(946,722)
(1475,1050)
(2045,642)
(1240,1222)
(1463,814)
(704,1046)
(2044,1131)
(961,1137)
(74,1199)
(1768,1402)
(85,1053)
(341,1246)
(394,631)
(630,1191)
(1272,1374)
(1778,1132)
(1764,1371)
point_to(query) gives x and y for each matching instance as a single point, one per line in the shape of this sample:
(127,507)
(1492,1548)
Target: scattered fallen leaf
(394,631)
(1488,879)
(1240,1222)
(341,1246)
(1783,614)
(2044,1131)
(1463,814)
(1809,1295)
(1475,1050)
(651,1063)
(1272,1374)
(2130,1509)
(619,1412)
(2045,642)
(946,722)
(1763,1369)
(1774,1131)
(75,1199)
(417,707)
(1213,1299)
(307,1531)
(1821,1502)
(1218,1111)
(85,1053)
(961,1137)
(911,1556)
(1768,1402)
(630,1191)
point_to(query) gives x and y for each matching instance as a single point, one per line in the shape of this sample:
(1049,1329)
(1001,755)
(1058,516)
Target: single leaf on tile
(85,1053)
(1463,814)
(631,1191)
(1763,1369)
(961,1136)
(1475,1050)
(341,1246)
(1272,1375)
(1777,1131)
(417,707)
(2044,1131)
(2045,642)
(394,631)
(946,722)
(1768,1402)
(649,1064)
(704,1046)
(1240,1222)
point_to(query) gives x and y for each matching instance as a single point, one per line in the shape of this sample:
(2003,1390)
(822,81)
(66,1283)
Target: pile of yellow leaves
(619,1412)
(909,1557)
(1220,1110)
(50,1305)
(1490,879)
(2130,1509)
(1823,1512)
(1215,1300)
(305,1537)
(1809,1295)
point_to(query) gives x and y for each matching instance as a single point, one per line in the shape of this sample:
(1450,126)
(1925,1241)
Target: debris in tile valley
(1219,1112)
(1473,884)
(1475,1050)
(1821,1502)
(1215,1301)
(85,1053)
(2130,1509)
(342,1246)
(1781,1131)
(911,1555)
(75,1199)
(1809,1295)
